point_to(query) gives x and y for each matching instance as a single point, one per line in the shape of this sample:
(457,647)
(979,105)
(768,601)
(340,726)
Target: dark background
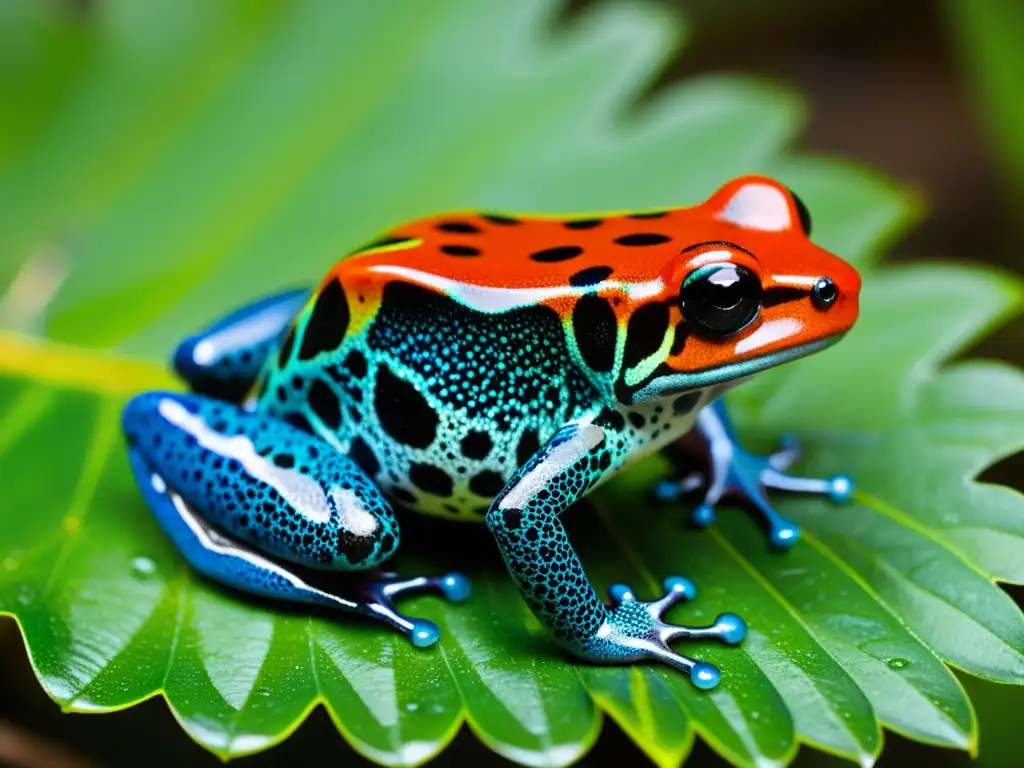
(885,88)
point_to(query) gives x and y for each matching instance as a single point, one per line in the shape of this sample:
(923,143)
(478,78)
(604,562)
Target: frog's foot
(233,564)
(635,631)
(737,473)
(377,597)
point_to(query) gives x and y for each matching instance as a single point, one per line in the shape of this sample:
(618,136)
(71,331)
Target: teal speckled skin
(410,378)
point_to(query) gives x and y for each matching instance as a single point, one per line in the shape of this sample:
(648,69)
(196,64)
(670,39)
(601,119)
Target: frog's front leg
(524,520)
(242,494)
(734,472)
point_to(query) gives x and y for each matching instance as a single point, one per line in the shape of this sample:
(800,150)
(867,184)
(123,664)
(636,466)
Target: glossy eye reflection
(720,299)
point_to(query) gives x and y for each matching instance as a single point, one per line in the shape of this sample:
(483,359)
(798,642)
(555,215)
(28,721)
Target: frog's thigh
(260,480)
(224,359)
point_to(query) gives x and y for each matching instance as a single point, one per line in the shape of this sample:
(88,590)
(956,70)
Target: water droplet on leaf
(143,566)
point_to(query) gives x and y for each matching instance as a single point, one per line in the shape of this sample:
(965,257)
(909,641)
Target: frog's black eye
(802,212)
(720,299)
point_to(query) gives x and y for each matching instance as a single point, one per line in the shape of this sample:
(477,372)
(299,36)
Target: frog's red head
(751,292)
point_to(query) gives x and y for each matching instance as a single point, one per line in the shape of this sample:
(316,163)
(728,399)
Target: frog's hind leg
(243,496)
(224,359)
(733,471)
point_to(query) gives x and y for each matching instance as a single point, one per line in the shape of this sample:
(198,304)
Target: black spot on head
(648,215)
(487,483)
(325,405)
(285,352)
(460,250)
(403,412)
(559,253)
(431,479)
(610,419)
(802,212)
(685,403)
(476,445)
(495,218)
(327,323)
(462,227)
(513,518)
(355,362)
(529,444)
(363,456)
(643,238)
(594,328)
(590,276)
(583,223)
(645,332)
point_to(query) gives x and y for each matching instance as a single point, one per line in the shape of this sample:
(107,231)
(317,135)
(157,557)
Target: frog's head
(751,292)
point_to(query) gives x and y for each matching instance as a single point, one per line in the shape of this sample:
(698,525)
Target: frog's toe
(635,631)
(670,490)
(379,596)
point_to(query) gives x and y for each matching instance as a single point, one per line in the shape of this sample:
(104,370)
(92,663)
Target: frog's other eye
(802,212)
(720,299)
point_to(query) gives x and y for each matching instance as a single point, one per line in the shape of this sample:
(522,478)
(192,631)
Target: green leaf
(987,36)
(161,164)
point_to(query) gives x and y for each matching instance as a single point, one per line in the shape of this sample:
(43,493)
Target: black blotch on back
(362,455)
(529,444)
(648,215)
(495,218)
(487,483)
(403,412)
(463,227)
(802,212)
(460,250)
(590,276)
(559,253)
(645,332)
(327,322)
(594,325)
(643,238)
(355,362)
(476,445)
(431,479)
(325,405)
(583,223)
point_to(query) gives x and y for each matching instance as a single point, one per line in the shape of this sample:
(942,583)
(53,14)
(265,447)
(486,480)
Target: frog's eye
(720,299)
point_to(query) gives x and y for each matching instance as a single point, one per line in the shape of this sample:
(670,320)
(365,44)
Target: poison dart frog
(494,368)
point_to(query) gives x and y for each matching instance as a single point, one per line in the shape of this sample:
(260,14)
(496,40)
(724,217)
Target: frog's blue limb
(224,359)
(734,471)
(235,564)
(263,481)
(524,520)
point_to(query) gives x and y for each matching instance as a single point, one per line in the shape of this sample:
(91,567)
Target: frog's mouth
(676,383)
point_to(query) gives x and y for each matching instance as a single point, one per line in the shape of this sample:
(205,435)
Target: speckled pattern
(490,367)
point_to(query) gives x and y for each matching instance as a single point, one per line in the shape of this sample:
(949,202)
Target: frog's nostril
(824,293)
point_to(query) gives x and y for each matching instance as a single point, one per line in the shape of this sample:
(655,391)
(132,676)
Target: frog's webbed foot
(377,597)
(635,631)
(735,472)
